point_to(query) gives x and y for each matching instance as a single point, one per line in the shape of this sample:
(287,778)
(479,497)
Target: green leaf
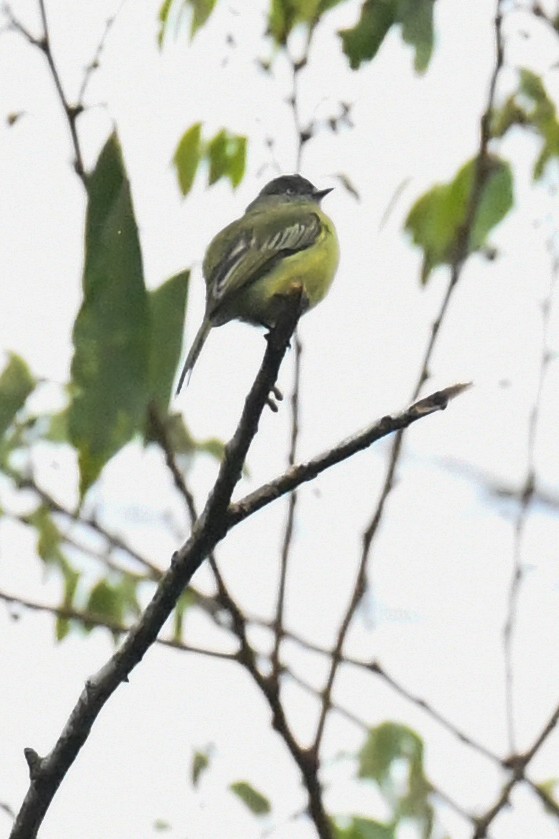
(286,14)
(548,789)
(49,538)
(163,20)
(71,580)
(531,106)
(167,305)
(360,828)
(185,601)
(172,13)
(416,17)
(392,756)
(254,800)
(362,42)
(201,10)
(227,157)
(384,745)
(111,333)
(187,157)
(436,220)
(200,762)
(16,383)
(106,602)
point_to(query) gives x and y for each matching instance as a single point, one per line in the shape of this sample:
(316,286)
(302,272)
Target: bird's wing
(257,248)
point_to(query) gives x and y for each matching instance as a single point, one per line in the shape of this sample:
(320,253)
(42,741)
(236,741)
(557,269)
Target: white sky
(443,561)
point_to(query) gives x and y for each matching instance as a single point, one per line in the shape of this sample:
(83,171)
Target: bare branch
(49,771)
(303,472)
(517,765)
(90,619)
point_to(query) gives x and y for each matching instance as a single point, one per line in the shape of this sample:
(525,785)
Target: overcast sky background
(443,561)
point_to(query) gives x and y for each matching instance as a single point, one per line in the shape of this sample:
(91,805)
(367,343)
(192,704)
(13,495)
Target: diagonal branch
(304,472)
(517,764)
(48,772)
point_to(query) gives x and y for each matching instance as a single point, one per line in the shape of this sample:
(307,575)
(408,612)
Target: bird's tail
(194,351)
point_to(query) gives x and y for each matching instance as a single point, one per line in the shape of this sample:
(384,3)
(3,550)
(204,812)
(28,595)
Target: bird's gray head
(290,188)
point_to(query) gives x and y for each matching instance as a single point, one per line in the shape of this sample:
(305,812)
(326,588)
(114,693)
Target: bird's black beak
(319,194)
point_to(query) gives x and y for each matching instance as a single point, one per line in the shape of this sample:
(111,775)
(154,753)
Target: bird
(283,242)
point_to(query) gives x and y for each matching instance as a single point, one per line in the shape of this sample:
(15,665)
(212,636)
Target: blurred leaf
(360,828)
(185,601)
(106,602)
(436,220)
(213,447)
(362,42)
(49,538)
(57,427)
(385,743)
(416,17)
(286,14)
(254,800)
(348,185)
(227,157)
(531,106)
(548,789)
(200,762)
(163,20)
(172,13)
(201,10)
(63,625)
(16,383)
(187,157)
(161,825)
(326,5)
(167,305)
(111,332)
(389,750)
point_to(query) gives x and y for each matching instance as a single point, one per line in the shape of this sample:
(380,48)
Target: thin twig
(302,137)
(116,542)
(525,500)
(517,765)
(90,619)
(71,112)
(460,256)
(307,471)
(291,508)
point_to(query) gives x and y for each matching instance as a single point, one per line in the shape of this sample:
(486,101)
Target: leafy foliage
(16,383)
(392,757)
(437,222)
(173,13)
(360,828)
(187,157)
(110,364)
(415,17)
(531,106)
(285,15)
(254,800)
(121,361)
(225,154)
(200,762)
(167,308)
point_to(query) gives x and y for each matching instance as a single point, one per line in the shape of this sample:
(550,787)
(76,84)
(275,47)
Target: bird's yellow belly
(312,270)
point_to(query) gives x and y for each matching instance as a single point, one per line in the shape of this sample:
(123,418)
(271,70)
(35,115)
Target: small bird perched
(283,242)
